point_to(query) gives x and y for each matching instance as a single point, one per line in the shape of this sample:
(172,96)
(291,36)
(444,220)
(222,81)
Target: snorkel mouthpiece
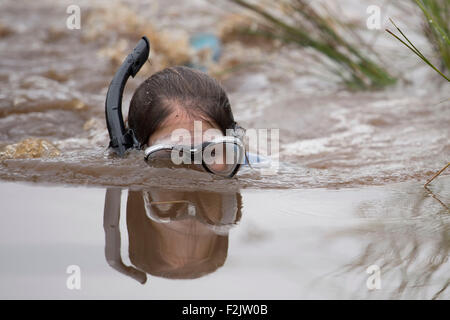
(122,139)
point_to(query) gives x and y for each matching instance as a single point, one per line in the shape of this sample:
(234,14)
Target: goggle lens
(222,158)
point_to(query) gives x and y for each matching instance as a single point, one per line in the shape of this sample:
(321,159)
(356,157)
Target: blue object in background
(204,40)
(252,158)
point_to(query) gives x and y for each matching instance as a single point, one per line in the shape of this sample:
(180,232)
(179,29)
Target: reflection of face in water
(178,235)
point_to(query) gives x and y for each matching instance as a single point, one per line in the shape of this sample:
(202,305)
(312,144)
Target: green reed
(437,29)
(299,23)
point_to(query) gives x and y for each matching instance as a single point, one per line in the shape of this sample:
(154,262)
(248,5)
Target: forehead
(180,127)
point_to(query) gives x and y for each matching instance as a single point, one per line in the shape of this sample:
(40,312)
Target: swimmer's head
(174,98)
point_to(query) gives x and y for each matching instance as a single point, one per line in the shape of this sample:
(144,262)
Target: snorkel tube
(122,139)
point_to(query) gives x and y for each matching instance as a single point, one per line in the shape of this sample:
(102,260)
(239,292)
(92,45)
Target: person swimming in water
(181,235)
(167,114)
(178,106)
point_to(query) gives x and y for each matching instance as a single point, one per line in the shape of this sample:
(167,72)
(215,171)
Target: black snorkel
(122,139)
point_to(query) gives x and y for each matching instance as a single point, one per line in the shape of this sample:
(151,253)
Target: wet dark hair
(199,95)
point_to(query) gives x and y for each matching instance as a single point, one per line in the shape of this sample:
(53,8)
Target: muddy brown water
(348,193)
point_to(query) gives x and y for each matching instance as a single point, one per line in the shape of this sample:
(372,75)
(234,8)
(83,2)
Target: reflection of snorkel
(112,237)
(122,139)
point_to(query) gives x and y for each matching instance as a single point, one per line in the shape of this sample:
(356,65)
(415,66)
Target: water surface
(287,244)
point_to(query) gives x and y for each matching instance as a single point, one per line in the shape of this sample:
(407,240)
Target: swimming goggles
(222,156)
(176,210)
